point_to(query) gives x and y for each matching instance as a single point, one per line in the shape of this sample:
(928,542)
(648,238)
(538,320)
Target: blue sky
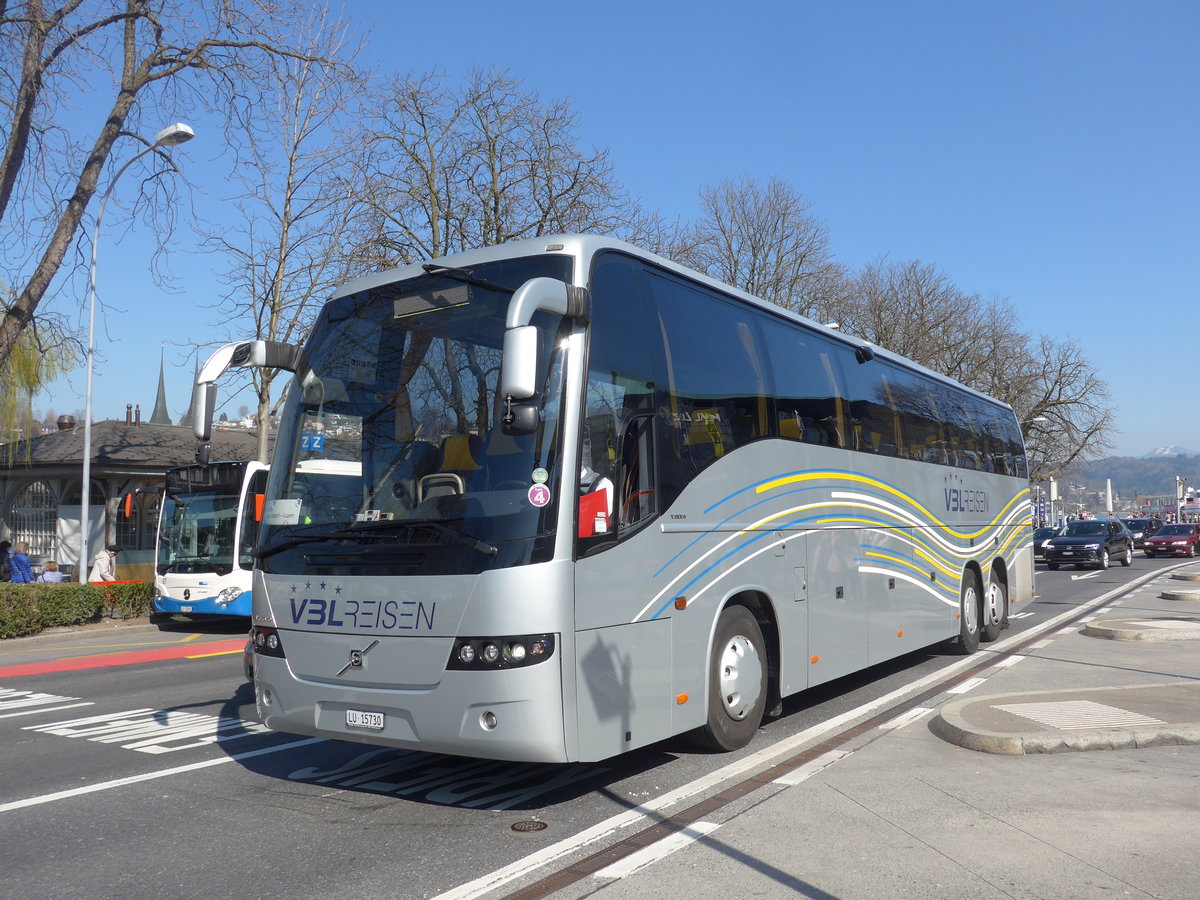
(1044,152)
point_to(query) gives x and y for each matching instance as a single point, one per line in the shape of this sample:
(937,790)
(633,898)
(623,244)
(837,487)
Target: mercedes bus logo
(356,657)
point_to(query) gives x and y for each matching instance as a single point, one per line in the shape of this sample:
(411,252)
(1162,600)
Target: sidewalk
(915,809)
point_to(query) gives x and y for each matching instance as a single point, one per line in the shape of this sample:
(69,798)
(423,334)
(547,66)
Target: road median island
(1158,628)
(1112,718)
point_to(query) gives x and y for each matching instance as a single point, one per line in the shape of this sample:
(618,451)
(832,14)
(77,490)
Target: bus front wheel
(737,682)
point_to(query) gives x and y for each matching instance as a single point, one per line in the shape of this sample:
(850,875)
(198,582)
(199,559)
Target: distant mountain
(1152,475)
(1168,451)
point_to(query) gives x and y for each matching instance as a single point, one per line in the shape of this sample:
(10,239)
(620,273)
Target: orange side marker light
(681,699)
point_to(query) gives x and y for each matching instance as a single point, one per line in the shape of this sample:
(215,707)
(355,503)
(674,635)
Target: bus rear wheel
(995,608)
(970,611)
(737,683)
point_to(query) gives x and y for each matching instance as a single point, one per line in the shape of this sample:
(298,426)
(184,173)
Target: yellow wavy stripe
(828,475)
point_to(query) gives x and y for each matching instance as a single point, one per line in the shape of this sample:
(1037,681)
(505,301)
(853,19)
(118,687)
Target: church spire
(190,414)
(160,416)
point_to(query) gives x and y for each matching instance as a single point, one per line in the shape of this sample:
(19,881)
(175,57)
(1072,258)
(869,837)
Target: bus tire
(995,609)
(970,609)
(737,683)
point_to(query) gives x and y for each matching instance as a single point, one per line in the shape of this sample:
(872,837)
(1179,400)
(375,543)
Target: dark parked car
(1141,528)
(1091,542)
(1179,538)
(1041,537)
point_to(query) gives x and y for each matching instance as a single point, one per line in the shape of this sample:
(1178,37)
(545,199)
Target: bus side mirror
(204,401)
(518,373)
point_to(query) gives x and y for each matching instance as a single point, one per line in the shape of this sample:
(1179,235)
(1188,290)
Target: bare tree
(1065,408)
(455,167)
(136,58)
(289,249)
(763,238)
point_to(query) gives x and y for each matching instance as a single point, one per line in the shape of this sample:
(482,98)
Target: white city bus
(207,528)
(602,500)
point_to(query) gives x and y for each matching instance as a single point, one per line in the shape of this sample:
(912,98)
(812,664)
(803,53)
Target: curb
(1180,595)
(103,627)
(1173,628)
(952,724)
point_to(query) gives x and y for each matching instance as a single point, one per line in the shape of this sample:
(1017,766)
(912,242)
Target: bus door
(837,605)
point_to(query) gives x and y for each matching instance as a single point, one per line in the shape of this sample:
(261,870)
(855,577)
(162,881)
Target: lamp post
(168,137)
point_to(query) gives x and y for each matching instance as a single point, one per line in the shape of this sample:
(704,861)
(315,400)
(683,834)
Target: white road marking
(45,709)
(1009,661)
(906,718)
(809,769)
(1088,575)
(656,851)
(1067,714)
(148,776)
(966,686)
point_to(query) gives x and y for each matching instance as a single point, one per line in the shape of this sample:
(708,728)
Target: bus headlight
(500,652)
(228,595)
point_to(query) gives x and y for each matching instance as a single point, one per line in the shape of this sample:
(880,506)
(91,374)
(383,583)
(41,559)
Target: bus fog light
(490,653)
(272,642)
(488,721)
(538,648)
(466,653)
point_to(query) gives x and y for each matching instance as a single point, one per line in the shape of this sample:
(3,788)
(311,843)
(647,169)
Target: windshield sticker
(540,475)
(312,443)
(539,495)
(283,512)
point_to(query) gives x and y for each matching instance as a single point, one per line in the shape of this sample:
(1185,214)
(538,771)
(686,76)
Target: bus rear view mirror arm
(243,354)
(518,376)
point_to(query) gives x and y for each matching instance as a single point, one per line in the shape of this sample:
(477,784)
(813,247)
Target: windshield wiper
(460,537)
(466,276)
(358,529)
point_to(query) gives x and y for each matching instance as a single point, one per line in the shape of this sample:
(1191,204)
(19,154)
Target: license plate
(357,718)
(1068,553)
(185,609)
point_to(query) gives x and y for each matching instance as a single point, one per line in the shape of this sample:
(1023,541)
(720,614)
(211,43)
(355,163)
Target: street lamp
(169,137)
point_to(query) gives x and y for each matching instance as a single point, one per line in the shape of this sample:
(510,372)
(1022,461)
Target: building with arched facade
(40,488)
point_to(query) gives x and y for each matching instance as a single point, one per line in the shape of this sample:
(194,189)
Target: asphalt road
(150,777)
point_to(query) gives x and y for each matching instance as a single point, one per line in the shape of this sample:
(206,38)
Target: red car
(1182,538)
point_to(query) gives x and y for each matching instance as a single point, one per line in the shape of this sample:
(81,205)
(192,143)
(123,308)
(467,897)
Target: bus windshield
(198,533)
(391,458)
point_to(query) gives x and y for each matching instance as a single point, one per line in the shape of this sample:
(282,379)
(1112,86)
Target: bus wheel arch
(994,602)
(741,672)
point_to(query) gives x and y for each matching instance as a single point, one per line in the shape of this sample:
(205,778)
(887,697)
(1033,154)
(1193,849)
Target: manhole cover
(526,827)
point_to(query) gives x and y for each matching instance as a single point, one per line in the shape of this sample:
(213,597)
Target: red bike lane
(117,657)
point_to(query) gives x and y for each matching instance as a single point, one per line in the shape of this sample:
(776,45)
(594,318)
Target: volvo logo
(356,657)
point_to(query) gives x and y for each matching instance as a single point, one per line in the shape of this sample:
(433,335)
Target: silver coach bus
(562,498)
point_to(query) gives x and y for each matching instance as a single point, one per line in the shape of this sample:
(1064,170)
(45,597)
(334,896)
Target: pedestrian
(50,573)
(5,561)
(105,567)
(22,571)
